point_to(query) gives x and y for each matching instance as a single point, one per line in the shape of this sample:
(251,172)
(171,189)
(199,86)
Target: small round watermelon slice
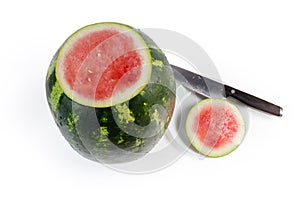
(215,127)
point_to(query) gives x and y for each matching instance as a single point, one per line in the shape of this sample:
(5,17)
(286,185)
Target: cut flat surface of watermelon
(103,65)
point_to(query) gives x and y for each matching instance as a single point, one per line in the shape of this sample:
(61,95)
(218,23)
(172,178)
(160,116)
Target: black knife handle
(253,101)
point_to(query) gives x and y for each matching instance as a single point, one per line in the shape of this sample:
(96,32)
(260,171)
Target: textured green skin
(102,134)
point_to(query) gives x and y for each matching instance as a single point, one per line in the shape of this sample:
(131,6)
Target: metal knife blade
(207,87)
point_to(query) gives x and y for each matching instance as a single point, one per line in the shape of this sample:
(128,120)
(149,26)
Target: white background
(255,46)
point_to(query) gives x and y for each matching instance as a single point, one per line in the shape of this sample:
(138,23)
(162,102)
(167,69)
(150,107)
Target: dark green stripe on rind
(125,131)
(63,115)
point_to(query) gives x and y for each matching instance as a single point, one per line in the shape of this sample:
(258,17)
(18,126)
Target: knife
(203,85)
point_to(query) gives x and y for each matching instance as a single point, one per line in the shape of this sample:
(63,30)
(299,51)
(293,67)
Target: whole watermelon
(111,92)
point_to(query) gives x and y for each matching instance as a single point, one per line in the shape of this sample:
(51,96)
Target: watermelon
(111,92)
(215,127)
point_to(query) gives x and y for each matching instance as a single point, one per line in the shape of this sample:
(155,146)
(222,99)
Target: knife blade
(204,86)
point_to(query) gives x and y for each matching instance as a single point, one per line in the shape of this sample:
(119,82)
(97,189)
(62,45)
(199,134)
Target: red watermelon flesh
(221,117)
(96,64)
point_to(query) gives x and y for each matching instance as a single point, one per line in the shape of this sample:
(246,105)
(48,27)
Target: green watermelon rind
(211,153)
(90,140)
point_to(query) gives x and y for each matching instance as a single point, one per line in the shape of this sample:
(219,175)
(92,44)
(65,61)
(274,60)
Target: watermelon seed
(99,54)
(90,71)
(89,79)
